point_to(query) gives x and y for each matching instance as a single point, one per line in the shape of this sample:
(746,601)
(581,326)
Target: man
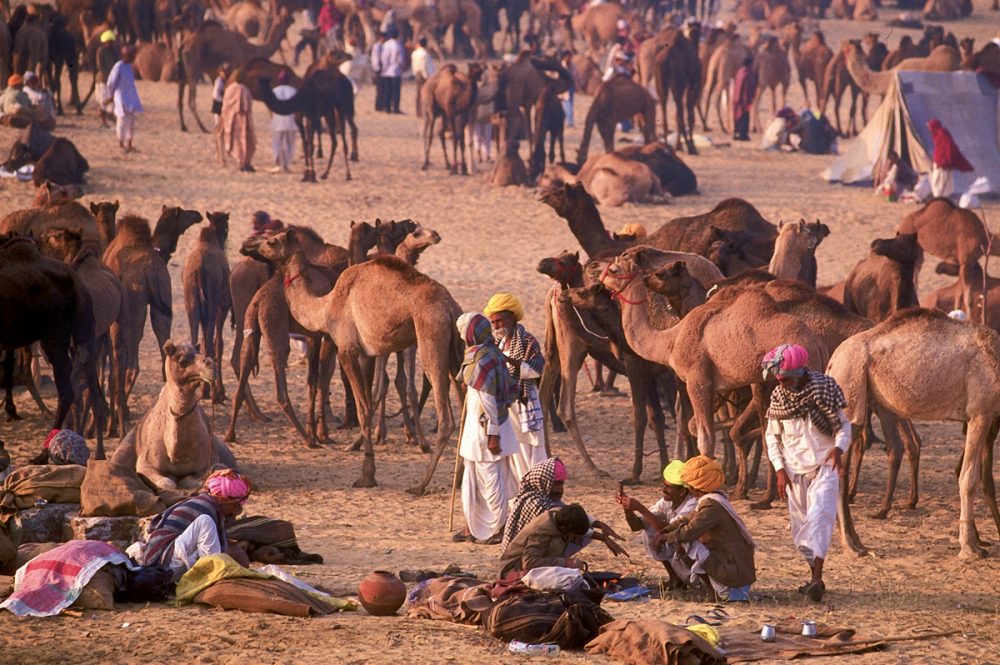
(219,92)
(807,433)
(283,127)
(548,540)
(488,442)
(677,502)
(41,100)
(947,159)
(235,132)
(524,361)
(423,66)
(105,63)
(376,60)
(715,539)
(121,88)
(196,527)
(744,89)
(393,60)
(14,98)
(263,225)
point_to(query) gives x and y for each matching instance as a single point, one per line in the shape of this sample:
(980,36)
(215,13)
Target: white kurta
(489,482)
(798,447)
(666,512)
(531,443)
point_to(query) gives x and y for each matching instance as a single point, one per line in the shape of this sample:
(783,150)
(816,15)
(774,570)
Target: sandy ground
(492,240)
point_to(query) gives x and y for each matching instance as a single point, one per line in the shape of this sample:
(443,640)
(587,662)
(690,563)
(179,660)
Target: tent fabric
(964,102)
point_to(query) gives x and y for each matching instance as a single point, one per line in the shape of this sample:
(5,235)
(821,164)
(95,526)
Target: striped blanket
(50,582)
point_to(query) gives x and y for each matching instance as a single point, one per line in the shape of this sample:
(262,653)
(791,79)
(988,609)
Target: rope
(584,325)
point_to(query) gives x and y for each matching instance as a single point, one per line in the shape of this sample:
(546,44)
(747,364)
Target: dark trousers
(393,88)
(380,97)
(742,130)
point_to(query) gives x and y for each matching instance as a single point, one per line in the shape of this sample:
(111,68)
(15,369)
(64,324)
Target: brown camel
(261,71)
(155,61)
(450,96)
(247,18)
(209,47)
(172,446)
(509,169)
(795,251)
(414,310)
(954,235)
(837,80)
(139,258)
(31,47)
(61,215)
(941,59)
(520,87)
(723,64)
(677,71)
(110,309)
(104,216)
(810,58)
(598,25)
(921,365)
(611,179)
(573,203)
(773,70)
(945,297)
(905,50)
(675,176)
(207,299)
(619,98)
(700,349)
(986,59)
(883,283)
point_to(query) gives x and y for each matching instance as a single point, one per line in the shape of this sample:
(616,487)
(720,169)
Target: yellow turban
(107,36)
(504,302)
(672,473)
(634,229)
(703,474)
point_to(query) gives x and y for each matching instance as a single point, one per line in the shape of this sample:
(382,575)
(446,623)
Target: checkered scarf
(532,500)
(820,399)
(522,346)
(483,365)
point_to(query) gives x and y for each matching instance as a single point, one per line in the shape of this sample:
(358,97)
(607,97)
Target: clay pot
(381,593)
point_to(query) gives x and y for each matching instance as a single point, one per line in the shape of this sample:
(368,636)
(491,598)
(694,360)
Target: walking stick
(454,476)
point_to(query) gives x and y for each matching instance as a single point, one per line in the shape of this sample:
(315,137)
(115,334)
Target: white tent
(964,102)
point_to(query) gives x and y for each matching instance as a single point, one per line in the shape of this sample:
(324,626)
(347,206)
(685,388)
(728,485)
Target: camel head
(673,280)
(364,237)
(732,251)
(275,249)
(421,238)
(219,225)
(567,199)
(587,298)
(173,222)
(392,233)
(801,236)
(639,257)
(966,46)
(62,244)
(105,213)
(618,274)
(561,268)
(185,369)
(904,248)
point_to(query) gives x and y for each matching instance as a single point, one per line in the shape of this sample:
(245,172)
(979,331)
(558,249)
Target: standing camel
(795,251)
(451,96)
(810,58)
(941,59)
(209,47)
(678,72)
(921,365)
(413,309)
(773,70)
(836,81)
(619,98)
(725,61)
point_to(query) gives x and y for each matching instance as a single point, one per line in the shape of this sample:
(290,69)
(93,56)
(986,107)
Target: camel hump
(915,314)
(134,229)
(735,204)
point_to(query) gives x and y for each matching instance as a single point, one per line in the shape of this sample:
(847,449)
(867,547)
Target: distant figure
(105,62)
(218,91)
(376,58)
(947,159)
(393,59)
(744,89)
(263,225)
(778,134)
(41,100)
(900,178)
(121,88)
(817,134)
(566,98)
(235,132)
(283,127)
(423,66)
(14,98)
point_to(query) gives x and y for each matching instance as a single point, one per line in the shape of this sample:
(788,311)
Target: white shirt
(376,57)
(422,63)
(665,510)
(798,446)
(392,57)
(482,419)
(283,123)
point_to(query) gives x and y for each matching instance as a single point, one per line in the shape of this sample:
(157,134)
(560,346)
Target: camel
(986,59)
(811,58)
(619,98)
(20,376)
(207,299)
(247,18)
(172,446)
(921,365)
(550,119)
(414,310)
(954,235)
(42,300)
(883,283)
(63,214)
(509,168)
(945,297)
(110,310)
(104,213)
(904,50)
(720,70)
(139,258)
(30,52)
(325,94)
(612,180)
(209,47)
(795,251)
(155,61)
(941,59)
(61,164)
(837,80)
(521,86)
(451,96)
(572,202)
(598,25)
(677,71)
(676,177)
(773,70)
(63,54)
(716,348)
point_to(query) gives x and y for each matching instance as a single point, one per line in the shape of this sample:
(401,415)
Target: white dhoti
(201,538)
(812,507)
(669,552)
(487,488)
(942,181)
(531,447)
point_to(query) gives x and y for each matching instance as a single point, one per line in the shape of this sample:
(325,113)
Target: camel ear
(576,256)
(165,208)
(169,348)
(781,224)
(353,223)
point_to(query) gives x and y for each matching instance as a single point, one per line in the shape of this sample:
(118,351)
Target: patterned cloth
(67,447)
(173,521)
(483,366)
(522,347)
(228,485)
(820,399)
(786,360)
(533,499)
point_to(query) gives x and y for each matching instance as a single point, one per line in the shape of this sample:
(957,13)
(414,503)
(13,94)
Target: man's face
(793,383)
(673,493)
(502,322)
(231,508)
(558,487)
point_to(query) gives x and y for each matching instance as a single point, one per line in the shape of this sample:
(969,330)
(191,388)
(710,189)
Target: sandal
(815,591)
(462,537)
(698,619)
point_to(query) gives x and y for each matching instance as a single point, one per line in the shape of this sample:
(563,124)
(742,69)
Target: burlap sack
(25,486)
(253,595)
(112,490)
(99,594)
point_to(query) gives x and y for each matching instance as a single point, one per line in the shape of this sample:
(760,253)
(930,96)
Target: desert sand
(492,241)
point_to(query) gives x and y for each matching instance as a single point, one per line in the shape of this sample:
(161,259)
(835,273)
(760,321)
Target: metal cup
(809,629)
(767,633)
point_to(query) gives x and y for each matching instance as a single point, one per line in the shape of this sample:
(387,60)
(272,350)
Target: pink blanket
(49,583)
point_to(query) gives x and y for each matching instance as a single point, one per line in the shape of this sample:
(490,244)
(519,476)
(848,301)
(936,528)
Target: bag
(55,484)
(256,595)
(112,490)
(25,553)
(569,620)
(99,594)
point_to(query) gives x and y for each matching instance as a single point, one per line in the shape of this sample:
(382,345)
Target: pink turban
(228,486)
(785,361)
(559,471)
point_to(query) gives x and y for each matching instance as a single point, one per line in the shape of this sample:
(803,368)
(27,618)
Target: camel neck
(307,305)
(694,296)
(409,254)
(588,228)
(653,345)
(180,403)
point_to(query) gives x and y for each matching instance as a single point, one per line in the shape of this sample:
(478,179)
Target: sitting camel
(795,251)
(611,179)
(172,445)
(921,365)
(882,283)
(675,176)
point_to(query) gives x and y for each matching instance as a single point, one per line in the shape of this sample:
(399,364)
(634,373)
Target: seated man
(548,540)
(196,527)
(677,502)
(715,538)
(41,100)
(14,100)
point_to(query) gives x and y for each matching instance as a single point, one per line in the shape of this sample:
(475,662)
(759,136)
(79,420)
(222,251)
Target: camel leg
(312,382)
(742,488)
(380,389)
(249,351)
(182,80)
(218,389)
(571,357)
(977,433)
(848,534)
(607,132)
(855,468)
(279,349)
(460,144)
(247,398)
(428,138)
(703,403)
(341,127)
(912,445)
(327,366)
(685,413)
(8,385)
(894,449)
(435,362)
(639,385)
(137,323)
(161,322)
(192,96)
(989,485)
(444,145)
(411,414)
(350,363)
(116,380)
(354,139)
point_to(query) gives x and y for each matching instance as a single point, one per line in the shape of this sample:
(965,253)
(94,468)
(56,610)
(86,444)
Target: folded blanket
(50,582)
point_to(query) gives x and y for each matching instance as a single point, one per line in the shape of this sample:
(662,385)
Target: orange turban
(14,79)
(703,474)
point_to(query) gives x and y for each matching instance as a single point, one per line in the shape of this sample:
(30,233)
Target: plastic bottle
(526,649)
